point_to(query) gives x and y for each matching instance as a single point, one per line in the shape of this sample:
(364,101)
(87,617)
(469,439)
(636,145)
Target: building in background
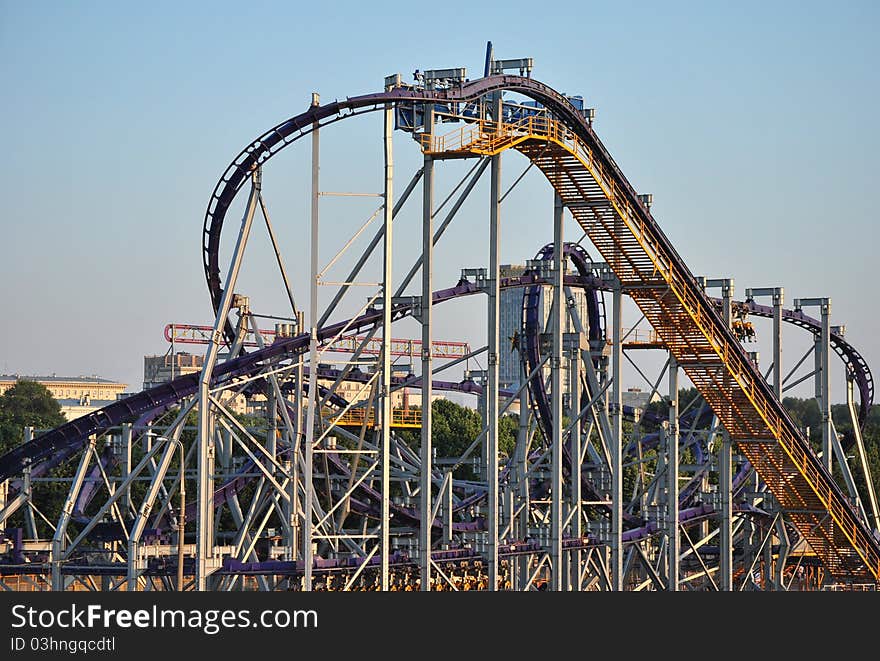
(510,323)
(77,395)
(160,369)
(357,391)
(637,399)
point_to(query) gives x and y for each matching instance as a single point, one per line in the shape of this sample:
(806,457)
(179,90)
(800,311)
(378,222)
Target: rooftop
(57,379)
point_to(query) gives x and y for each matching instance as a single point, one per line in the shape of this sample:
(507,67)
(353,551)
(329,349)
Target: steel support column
(725,464)
(385,388)
(140,522)
(616,442)
(426,310)
(860,447)
(825,382)
(205,466)
(823,378)
(66,512)
(576,512)
(27,488)
(494,298)
(726,470)
(296,448)
(672,533)
(778,300)
(777,295)
(308,448)
(522,451)
(558,308)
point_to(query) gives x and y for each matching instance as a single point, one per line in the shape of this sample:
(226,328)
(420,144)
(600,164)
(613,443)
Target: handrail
(357,416)
(670,269)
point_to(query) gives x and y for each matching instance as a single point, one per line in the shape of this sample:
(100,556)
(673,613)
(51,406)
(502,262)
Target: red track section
(192,334)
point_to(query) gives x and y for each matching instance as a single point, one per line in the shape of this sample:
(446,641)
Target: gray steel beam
(205,468)
(143,515)
(616,442)
(296,445)
(491,394)
(477,171)
(126,464)
(576,463)
(385,387)
(426,318)
(725,463)
(308,449)
(278,258)
(777,295)
(823,380)
(120,490)
(556,400)
(66,511)
(672,529)
(726,471)
(782,555)
(447,496)
(522,484)
(275,404)
(778,300)
(30,523)
(860,447)
(356,269)
(12,506)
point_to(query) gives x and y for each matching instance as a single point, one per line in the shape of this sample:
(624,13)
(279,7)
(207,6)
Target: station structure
(169,489)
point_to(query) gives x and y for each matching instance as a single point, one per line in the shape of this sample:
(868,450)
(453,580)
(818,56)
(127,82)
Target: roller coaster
(319,490)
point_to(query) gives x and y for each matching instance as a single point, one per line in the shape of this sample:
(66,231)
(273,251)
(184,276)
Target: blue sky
(752,123)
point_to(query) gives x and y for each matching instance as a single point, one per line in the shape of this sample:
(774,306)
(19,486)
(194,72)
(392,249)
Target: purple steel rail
(65,440)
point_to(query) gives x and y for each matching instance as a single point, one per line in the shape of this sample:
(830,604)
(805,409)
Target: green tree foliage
(30,404)
(685,398)
(806,415)
(454,427)
(26,404)
(508,427)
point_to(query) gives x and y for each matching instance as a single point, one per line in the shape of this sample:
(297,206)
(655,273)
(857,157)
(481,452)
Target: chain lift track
(657,279)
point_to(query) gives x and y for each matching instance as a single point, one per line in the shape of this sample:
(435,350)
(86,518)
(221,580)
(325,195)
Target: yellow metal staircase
(659,282)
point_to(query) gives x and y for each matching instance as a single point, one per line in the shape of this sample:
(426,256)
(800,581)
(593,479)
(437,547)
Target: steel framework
(324,491)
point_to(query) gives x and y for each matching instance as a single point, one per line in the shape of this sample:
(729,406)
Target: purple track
(61,443)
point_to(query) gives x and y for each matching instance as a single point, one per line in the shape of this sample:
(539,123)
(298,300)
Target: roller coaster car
(411,116)
(744,330)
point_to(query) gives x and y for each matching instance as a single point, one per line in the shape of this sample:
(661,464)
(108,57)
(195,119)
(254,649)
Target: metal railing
(489,137)
(356,417)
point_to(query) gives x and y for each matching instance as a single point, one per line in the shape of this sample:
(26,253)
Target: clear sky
(752,123)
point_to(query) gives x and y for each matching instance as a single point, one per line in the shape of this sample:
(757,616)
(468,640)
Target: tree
(26,404)
(685,398)
(30,404)
(454,427)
